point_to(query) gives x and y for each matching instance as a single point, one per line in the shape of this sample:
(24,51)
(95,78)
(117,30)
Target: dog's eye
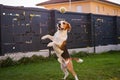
(63,22)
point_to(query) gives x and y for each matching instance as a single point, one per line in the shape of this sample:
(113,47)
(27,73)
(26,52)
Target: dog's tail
(77,60)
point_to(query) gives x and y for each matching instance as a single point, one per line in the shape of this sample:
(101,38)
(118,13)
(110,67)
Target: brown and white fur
(59,45)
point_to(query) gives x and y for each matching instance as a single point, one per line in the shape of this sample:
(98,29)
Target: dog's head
(63,25)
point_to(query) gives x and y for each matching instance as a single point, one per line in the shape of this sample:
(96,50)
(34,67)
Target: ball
(62,9)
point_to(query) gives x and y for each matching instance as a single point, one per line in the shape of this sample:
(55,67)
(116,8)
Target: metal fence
(90,29)
(21,28)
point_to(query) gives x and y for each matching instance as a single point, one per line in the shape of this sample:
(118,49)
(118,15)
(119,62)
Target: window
(97,9)
(103,8)
(79,8)
(113,11)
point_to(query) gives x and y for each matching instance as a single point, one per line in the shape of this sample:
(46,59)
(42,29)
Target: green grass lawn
(104,66)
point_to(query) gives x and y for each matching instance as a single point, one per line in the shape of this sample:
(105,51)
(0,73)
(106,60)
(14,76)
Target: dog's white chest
(60,36)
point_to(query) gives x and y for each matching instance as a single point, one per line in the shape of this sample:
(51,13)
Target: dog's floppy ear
(68,27)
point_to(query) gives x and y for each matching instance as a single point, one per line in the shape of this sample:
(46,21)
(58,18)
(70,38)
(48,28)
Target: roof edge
(55,2)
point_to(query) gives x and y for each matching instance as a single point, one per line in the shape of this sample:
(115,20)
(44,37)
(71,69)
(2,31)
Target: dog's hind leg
(70,68)
(57,49)
(64,69)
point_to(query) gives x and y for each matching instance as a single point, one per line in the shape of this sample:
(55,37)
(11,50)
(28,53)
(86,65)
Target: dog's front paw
(50,44)
(44,37)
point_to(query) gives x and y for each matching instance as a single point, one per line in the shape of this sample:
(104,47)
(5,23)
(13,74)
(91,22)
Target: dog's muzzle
(59,26)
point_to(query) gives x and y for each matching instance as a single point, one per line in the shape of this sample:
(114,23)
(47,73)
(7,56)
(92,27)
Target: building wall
(57,6)
(103,8)
(89,7)
(85,6)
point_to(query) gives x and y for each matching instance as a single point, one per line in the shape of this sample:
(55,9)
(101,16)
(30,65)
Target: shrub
(36,58)
(7,62)
(24,60)
(81,54)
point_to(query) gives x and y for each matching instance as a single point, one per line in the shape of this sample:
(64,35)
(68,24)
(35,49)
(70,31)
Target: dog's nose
(59,24)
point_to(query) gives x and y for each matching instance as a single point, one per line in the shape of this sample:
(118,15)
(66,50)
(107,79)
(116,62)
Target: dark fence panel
(0,30)
(118,29)
(89,29)
(22,28)
(105,30)
(80,24)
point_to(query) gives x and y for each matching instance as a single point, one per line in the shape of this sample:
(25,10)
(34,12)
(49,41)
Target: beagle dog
(59,45)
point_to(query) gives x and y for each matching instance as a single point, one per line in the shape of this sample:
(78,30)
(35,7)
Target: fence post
(51,27)
(116,30)
(52,22)
(0,32)
(1,47)
(92,24)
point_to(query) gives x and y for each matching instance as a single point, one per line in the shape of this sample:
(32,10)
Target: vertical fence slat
(118,29)
(92,21)
(1,14)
